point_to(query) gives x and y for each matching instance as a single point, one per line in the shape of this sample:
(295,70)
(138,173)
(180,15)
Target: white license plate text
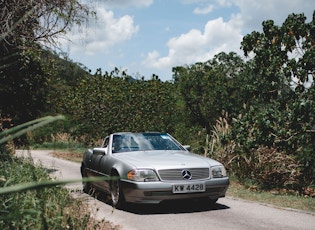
(189,188)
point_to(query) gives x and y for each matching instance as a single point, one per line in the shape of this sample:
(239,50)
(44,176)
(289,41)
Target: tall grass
(264,166)
(29,199)
(41,208)
(22,129)
(59,140)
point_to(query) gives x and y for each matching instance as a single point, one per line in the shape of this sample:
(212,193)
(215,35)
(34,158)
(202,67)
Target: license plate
(188,188)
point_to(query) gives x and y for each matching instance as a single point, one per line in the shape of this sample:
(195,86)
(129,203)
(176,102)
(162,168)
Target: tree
(25,28)
(280,112)
(115,102)
(282,55)
(209,88)
(25,22)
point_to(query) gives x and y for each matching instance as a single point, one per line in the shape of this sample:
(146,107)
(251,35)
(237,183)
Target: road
(228,213)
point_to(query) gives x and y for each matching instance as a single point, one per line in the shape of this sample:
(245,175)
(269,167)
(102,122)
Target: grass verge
(41,208)
(283,200)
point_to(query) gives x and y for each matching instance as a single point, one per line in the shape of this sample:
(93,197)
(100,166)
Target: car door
(98,159)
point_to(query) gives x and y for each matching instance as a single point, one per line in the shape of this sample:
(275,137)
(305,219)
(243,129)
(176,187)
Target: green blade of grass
(42,184)
(31,125)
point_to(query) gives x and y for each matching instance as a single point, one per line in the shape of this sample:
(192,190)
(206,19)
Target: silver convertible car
(151,167)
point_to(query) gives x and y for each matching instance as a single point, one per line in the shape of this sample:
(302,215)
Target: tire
(116,193)
(86,185)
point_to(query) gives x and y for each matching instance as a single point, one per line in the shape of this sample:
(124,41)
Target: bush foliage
(44,208)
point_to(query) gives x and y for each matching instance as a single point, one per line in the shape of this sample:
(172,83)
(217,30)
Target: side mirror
(100,151)
(187,147)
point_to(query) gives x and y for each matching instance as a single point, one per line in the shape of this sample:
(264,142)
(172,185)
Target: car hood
(165,159)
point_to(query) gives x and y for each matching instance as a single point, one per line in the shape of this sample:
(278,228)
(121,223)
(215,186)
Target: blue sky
(146,37)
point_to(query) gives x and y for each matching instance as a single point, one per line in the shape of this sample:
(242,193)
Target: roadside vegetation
(30,198)
(280,198)
(42,208)
(255,115)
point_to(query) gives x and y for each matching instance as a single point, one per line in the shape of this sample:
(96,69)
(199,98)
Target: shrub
(44,208)
(220,147)
(268,168)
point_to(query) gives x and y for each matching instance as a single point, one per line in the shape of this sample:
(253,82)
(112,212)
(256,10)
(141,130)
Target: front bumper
(155,192)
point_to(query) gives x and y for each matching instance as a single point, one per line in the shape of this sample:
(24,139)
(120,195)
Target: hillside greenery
(266,104)
(255,115)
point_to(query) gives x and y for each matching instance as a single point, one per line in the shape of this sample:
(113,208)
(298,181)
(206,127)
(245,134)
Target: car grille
(176,174)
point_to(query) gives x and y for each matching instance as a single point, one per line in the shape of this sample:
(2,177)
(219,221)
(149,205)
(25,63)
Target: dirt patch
(75,156)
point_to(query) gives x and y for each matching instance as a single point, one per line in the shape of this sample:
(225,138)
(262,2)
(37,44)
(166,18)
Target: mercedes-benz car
(151,167)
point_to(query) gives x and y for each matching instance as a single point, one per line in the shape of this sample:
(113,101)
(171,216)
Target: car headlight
(142,175)
(218,172)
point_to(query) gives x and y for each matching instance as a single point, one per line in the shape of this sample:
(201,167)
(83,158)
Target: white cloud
(125,3)
(224,3)
(219,36)
(110,32)
(105,33)
(254,12)
(194,46)
(204,10)
(204,6)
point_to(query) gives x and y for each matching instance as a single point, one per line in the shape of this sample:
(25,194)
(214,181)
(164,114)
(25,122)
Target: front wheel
(116,193)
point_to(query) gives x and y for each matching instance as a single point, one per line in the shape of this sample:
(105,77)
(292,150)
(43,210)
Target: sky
(146,37)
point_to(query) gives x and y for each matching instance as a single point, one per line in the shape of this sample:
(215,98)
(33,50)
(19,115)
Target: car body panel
(164,159)
(168,165)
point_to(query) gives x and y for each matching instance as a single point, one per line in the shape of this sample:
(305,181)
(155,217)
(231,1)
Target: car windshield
(143,142)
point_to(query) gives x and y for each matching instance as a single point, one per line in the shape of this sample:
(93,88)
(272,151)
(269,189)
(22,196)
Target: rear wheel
(116,193)
(86,185)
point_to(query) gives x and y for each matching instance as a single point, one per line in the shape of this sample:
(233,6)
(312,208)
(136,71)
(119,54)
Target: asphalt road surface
(228,213)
